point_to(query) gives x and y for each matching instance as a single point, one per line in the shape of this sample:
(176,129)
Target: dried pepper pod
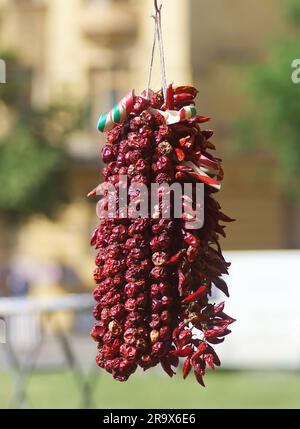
(155,274)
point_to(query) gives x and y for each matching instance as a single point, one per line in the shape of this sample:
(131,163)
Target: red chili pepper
(210,350)
(186,368)
(183,89)
(217,332)
(215,340)
(178,329)
(94,237)
(219,307)
(221,285)
(221,322)
(200,178)
(224,217)
(196,295)
(220,230)
(199,352)
(199,378)
(92,193)
(175,258)
(170,98)
(185,352)
(191,239)
(185,97)
(187,142)
(181,177)
(165,363)
(202,119)
(180,154)
(173,360)
(209,359)
(208,134)
(202,347)
(228,318)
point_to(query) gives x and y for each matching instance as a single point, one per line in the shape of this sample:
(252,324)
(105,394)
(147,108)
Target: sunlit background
(68,61)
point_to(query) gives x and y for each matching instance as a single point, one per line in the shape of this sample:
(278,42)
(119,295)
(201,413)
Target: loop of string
(158,37)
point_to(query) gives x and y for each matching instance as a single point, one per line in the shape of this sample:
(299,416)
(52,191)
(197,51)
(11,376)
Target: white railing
(265,299)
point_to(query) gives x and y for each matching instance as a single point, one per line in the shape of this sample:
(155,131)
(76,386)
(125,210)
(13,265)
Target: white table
(32,309)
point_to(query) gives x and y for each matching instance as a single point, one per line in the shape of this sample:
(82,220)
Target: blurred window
(107,86)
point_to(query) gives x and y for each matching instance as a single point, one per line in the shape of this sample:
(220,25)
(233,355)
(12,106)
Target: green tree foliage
(293,11)
(32,151)
(273,123)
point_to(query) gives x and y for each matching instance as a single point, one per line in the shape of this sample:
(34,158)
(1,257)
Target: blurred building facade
(96,50)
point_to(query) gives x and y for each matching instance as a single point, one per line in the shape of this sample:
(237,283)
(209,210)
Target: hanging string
(152,56)
(158,37)
(162,55)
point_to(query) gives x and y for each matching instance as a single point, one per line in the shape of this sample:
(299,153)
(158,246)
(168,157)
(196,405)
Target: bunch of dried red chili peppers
(154,277)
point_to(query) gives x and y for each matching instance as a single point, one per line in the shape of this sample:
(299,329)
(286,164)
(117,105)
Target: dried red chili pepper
(186,351)
(170,97)
(180,154)
(186,369)
(196,295)
(148,298)
(185,89)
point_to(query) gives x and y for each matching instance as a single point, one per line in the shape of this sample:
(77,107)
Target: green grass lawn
(224,390)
